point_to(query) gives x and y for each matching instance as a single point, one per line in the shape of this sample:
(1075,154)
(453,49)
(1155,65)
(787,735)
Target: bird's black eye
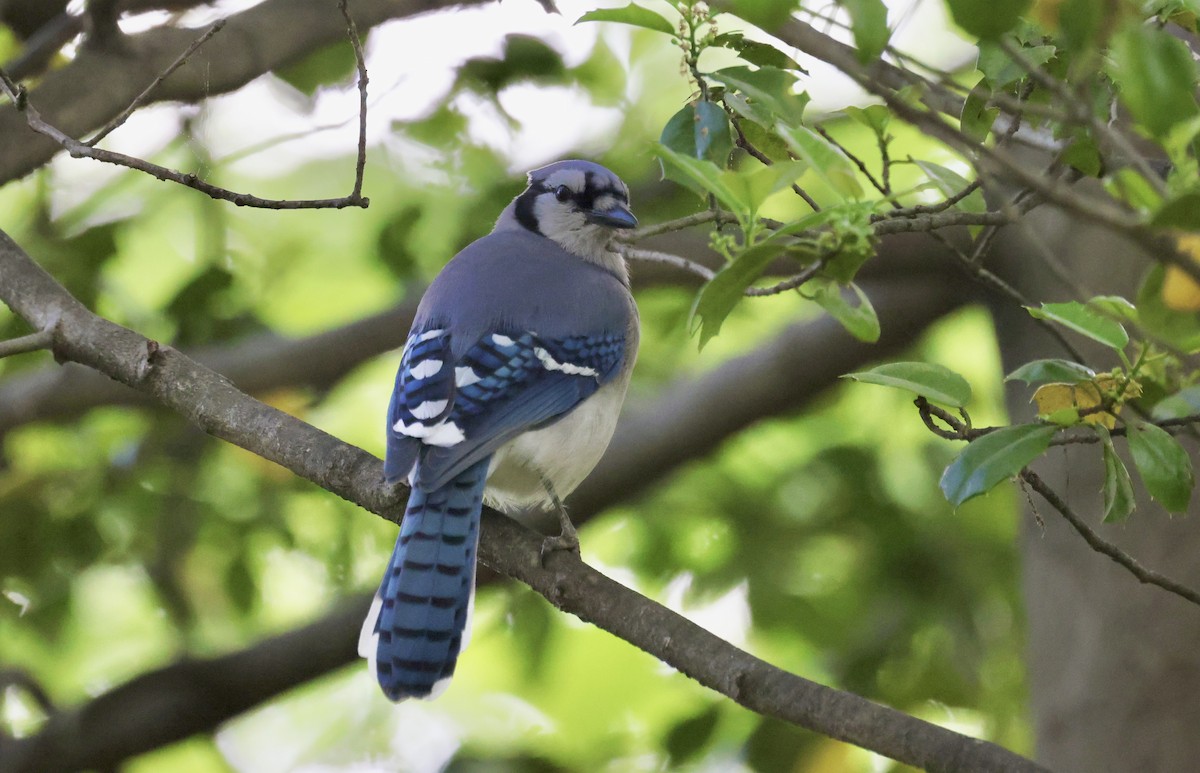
(562,193)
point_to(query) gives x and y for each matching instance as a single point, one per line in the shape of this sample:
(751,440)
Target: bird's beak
(614,217)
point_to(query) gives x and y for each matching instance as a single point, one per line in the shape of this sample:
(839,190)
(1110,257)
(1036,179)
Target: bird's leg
(568,538)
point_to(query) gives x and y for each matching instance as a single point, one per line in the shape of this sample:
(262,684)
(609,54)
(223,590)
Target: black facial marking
(524,209)
(595,187)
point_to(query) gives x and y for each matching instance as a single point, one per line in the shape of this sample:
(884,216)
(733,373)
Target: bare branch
(792,282)
(43,339)
(700,218)
(657,256)
(123,116)
(1097,543)
(361,63)
(928,209)
(86,93)
(79,149)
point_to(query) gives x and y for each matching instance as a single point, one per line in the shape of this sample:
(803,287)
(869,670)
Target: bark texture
(1113,670)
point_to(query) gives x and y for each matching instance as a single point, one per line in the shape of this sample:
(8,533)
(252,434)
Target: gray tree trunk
(1114,666)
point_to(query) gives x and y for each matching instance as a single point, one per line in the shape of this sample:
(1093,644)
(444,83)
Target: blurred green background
(818,541)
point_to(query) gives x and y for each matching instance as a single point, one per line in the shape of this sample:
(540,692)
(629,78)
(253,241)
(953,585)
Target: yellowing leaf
(1180,292)
(1056,401)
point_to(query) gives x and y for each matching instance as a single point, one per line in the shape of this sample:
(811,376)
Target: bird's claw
(568,540)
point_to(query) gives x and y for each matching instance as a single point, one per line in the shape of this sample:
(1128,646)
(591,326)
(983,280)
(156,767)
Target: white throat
(571,231)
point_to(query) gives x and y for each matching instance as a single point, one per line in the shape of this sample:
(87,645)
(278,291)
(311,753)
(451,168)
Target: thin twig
(892,225)
(928,209)
(43,339)
(123,116)
(791,283)
(360,60)
(1148,576)
(77,149)
(858,162)
(656,256)
(765,160)
(1084,111)
(670,226)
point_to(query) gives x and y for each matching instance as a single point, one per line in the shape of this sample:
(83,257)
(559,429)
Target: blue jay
(508,391)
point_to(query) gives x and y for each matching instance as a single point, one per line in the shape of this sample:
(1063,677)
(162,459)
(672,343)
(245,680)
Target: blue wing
(447,415)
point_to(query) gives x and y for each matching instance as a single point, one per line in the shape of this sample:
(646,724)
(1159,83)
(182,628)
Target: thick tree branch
(650,443)
(257,364)
(212,403)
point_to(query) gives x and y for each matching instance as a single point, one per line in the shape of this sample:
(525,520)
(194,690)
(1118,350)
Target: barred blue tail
(418,622)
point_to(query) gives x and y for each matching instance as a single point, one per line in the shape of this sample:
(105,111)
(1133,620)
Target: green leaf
(1040,371)
(868,22)
(1136,191)
(602,74)
(1118,488)
(765,15)
(770,88)
(855,238)
(1156,76)
(755,184)
(874,117)
(1180,329)
(444,125)
(755,52)
(1163,465)
(766,141)
(1085,321)
(1185,402)
(1084,21)
(1114,306)
(704,177)
(829,163)
(858,319)
(326,66)
(690,736)
(1083,154)
(999,68)
(631,14)
(976,119)
(525,58)
(931,381)
(950,183)
(995,457)
(1180,211)
(1063,417)
(987,18)
(718,297)
(700,130)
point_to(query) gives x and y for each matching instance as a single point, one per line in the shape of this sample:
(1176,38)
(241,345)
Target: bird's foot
(567,539)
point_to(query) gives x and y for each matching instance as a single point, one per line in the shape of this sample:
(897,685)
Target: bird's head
(577,204)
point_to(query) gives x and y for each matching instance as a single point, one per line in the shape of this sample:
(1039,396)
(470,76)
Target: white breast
(562,454)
